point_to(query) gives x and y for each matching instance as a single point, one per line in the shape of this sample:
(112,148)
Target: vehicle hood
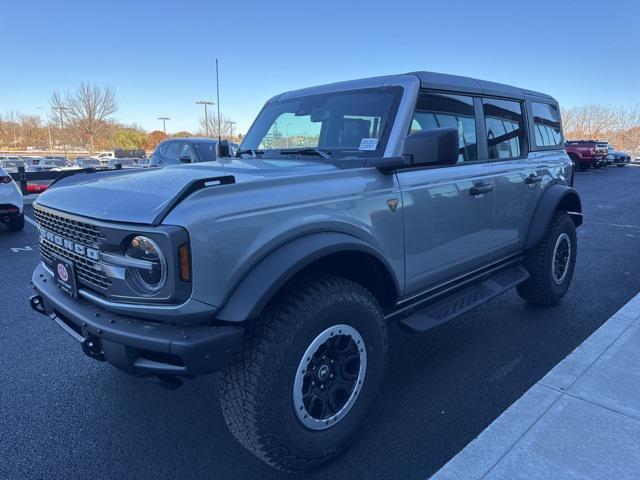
(140,195)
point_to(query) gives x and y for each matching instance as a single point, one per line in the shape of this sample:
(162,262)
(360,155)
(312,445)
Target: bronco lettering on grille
(70,245)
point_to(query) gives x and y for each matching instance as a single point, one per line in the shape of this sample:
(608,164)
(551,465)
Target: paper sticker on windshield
(368,144)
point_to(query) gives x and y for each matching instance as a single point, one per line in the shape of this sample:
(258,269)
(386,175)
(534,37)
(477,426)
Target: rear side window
(505,128)
(172,150)
(435,110)
(546,124)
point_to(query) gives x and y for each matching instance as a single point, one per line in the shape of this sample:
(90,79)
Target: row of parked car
(587,154)
(11,163)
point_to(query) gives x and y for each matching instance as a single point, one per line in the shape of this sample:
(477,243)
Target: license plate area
(65,276)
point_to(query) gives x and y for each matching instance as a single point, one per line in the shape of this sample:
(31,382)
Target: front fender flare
(262,282)
(556,197)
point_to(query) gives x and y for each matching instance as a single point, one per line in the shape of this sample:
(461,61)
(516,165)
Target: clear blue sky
(159,56)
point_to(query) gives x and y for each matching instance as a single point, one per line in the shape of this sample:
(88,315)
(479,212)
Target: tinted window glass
(207,151)
(186,151)
(172,150)
(505,128)
(435,110)
(546,121)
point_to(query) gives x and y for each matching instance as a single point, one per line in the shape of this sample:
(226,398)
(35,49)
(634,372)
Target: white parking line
(31,221)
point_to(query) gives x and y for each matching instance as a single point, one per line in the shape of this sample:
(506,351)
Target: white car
(11,163)
(11,204)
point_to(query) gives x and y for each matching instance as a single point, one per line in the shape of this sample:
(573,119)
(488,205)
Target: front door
(448,210)
(448,227)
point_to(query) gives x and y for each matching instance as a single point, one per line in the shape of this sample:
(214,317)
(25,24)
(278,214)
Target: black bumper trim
(136,346)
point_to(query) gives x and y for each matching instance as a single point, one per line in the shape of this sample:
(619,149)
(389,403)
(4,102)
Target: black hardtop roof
(428,80)
(192,140)
(443,81)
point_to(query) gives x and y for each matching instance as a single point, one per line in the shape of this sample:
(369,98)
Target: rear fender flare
(556,197)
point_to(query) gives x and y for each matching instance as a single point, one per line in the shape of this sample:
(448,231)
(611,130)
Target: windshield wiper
(254,153)
(306,151)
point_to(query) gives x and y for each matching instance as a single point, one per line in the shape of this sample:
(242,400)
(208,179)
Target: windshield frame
(336,153)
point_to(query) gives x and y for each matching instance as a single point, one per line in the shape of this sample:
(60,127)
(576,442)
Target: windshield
(352,123)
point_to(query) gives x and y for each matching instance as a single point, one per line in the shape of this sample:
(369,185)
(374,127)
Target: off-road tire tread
(536,289)
(239,386)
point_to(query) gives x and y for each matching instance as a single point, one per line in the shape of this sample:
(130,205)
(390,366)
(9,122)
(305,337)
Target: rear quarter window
(546,125)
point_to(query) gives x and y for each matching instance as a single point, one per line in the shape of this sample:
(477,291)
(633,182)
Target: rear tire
(551,263)
(264,390)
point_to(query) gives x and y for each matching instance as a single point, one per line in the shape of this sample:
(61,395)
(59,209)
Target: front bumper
(619,160)
(139,347)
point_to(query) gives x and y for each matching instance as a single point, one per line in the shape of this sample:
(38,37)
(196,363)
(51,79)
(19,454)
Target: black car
(615,157)
(189,150)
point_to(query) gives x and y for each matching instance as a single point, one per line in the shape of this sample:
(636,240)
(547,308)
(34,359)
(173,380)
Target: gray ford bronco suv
(347,207)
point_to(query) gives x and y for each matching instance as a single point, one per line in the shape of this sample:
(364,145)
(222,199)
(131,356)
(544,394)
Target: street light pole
(164,123)
(206,117)
(231,124)
(60,108)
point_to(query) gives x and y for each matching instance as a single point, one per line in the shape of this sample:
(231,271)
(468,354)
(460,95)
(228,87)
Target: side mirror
(438,146)
(185,159)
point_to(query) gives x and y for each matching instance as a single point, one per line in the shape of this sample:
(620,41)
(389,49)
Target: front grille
(88,271)
(80,232)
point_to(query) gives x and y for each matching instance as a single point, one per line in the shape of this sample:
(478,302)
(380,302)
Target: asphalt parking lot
(64,415)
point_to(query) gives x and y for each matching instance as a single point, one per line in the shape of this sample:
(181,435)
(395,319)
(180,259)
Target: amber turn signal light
(185,262)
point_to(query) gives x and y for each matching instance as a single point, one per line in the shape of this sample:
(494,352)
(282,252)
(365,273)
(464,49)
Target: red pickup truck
(587,153)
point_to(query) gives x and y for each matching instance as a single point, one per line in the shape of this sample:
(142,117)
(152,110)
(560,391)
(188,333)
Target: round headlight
(151,273)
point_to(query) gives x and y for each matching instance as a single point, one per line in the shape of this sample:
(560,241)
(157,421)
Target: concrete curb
(552,404)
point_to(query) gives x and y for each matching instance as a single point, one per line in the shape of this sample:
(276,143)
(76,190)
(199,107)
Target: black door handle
(480,188)
(533,179)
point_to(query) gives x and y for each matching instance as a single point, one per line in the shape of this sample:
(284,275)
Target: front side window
(172,150)
(546,122)
(435,110)
(505,128)
(353,123)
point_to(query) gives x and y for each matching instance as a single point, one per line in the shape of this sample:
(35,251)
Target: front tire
(551,263)
(307,374)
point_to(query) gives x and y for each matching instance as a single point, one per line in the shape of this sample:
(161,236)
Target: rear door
(518,174)
(448,226)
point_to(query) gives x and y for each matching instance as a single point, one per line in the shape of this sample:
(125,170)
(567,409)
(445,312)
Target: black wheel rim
(561,258)
(329,377)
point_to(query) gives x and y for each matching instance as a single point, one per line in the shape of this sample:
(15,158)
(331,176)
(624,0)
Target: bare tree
(86,111)
(225,125)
